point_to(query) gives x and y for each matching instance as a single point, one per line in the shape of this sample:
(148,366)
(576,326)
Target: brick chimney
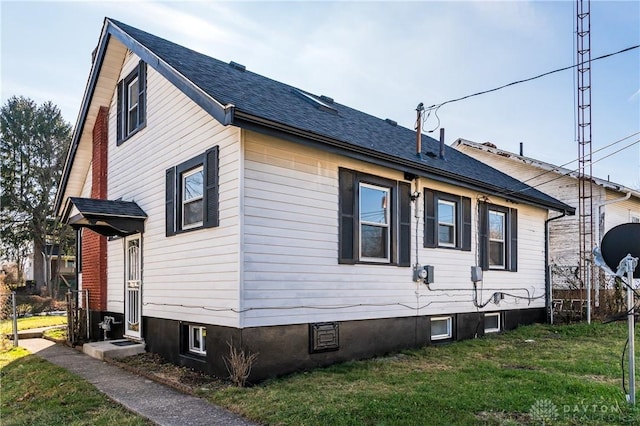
(94,245)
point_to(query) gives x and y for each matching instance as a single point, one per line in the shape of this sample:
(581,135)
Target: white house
(216,205)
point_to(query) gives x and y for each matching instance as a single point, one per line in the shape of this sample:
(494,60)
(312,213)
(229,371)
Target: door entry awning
(106,217)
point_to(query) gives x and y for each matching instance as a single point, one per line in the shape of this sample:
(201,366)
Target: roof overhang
(106,217)
(258,124)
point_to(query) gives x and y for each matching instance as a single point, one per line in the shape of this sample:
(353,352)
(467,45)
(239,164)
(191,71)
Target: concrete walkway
(158,403)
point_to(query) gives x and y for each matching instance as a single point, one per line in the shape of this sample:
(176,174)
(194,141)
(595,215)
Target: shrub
(239,364)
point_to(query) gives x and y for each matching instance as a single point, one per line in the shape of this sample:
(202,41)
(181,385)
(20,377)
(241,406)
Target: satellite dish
(620,241)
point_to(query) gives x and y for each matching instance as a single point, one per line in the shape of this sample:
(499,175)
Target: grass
(36,392)
(26,323)
(567,375)
(56,334)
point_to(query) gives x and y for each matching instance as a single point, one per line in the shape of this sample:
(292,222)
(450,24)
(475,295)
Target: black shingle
(277,102)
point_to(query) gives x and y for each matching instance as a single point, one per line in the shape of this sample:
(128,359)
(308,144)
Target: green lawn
(567,375)
(37,321)
(36,392)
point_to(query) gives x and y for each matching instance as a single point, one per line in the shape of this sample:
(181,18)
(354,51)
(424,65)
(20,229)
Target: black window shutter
(170,227)
(142,92)
(483,235)
(346,216)
(404,229)
(465,204)
(119,118)
(211,188)
(430,223)
(513,236)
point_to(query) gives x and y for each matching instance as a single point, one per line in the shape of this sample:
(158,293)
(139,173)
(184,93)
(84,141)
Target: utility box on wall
(476,274)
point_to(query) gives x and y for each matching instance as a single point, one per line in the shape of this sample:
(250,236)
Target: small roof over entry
(106,217)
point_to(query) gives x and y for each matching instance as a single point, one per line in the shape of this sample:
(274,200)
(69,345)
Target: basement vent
(323,337)
(392,122)
(237,66)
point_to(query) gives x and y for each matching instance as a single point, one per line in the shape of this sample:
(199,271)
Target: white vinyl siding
(195,276)
(283,268)
(290,248)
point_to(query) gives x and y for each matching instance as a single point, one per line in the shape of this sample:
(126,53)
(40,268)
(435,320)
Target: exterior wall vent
(323,337)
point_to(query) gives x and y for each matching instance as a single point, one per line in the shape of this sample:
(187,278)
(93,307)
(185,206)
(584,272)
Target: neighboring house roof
(547,167)
(235,96)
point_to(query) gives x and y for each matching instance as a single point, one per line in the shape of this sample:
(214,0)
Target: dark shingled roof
(278,105)
(107,217)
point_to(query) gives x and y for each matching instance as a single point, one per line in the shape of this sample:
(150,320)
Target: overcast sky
(383,58)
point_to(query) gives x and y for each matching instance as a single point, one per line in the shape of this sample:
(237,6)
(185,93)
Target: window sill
(132,134)
(194,357)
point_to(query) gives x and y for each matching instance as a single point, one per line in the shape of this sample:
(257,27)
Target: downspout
(547,272)
(600,232)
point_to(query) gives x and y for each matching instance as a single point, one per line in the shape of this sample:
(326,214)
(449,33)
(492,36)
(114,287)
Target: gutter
(547,271)
(251,122)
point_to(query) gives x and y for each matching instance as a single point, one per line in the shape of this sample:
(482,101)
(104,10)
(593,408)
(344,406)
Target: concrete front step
(113,348)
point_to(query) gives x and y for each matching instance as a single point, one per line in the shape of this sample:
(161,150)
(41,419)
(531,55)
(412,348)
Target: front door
(133,287)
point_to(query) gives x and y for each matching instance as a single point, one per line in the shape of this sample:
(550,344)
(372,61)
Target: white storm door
(133,287)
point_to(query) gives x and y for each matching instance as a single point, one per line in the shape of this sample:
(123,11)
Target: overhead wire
(556,168)
(530,187)
(437,106)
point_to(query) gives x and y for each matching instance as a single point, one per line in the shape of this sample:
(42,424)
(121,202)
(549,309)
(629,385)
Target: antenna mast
(585,169)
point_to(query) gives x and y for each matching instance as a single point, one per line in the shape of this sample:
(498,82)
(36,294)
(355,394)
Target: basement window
(441,328)
(492,322)
(197,340)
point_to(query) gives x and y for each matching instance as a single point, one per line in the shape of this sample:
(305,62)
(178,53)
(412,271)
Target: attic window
(131,107)
(321,103)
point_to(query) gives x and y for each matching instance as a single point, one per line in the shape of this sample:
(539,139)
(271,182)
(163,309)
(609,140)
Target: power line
(572,171)
(556,169)
(437,106)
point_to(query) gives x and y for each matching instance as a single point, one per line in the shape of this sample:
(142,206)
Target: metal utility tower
(585,189)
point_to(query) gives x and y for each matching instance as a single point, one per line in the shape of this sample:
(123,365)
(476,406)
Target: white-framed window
(497,239)
(492,322)
(198,339)
(447,220)
(446,223)
(131,107)
(375,229)
(192,197)
(441,328)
